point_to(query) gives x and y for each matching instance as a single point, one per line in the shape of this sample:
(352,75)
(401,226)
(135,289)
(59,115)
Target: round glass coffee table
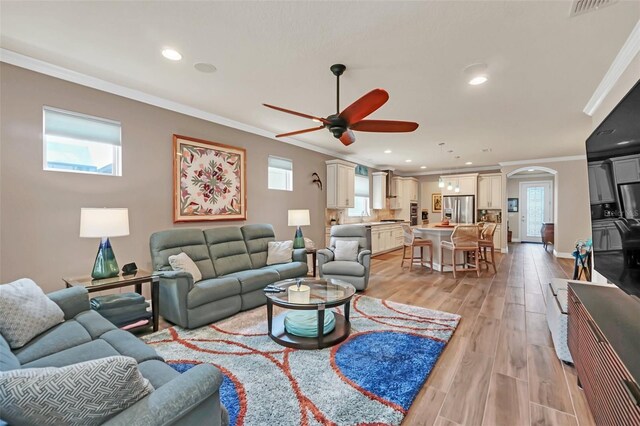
(293,328)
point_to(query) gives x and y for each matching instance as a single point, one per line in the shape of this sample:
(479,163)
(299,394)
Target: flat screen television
(613,157)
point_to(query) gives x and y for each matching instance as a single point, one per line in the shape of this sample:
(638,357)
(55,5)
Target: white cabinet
(406,190)
(601,181)
(605,236)
(497,238)
(489,192)
(626,170)
(340,184)
(466,183)
(412,189)
(385,238)
(395,202)
(379,199)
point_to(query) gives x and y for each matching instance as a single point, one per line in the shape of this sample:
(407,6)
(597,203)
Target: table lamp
(104,223)
(299,218)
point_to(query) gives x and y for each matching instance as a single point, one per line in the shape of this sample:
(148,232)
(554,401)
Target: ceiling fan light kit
(342,124)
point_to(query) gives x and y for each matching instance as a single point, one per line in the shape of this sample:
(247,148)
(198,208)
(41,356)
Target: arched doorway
(531,201)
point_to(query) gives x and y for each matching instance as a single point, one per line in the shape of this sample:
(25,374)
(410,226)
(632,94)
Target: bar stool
(486,242)
(412,242)
(465,240)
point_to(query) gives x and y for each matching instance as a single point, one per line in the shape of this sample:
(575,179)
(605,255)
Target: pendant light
(449,186)
(440,180)
(457,188)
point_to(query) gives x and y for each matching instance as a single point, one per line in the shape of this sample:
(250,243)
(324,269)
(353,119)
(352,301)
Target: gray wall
(40,211)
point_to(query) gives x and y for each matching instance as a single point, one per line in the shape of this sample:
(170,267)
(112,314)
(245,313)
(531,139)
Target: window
(361,202)
(280,174)
(81,143)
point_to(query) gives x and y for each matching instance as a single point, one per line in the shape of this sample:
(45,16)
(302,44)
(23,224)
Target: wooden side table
(314,256)
(136,279)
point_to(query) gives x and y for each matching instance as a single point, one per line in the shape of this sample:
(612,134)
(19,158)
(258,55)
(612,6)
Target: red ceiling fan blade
(347,138)
(297,132)
(390,126)
(299,114)
(364,106)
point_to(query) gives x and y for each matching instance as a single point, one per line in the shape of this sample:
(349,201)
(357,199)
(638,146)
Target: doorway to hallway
(536,207)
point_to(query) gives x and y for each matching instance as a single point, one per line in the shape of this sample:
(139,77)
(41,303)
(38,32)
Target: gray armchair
(355,273)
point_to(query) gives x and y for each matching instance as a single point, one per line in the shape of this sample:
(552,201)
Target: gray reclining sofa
(191,398)
(233,263)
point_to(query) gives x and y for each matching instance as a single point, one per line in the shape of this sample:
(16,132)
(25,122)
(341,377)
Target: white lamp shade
(99,223)
(299,218)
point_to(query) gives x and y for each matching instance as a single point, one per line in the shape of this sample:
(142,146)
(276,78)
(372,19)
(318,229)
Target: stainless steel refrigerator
(630,196)
(459,209)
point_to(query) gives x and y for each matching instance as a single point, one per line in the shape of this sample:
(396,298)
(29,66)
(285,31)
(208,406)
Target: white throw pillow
(279,252)
(86,393)
(182,262)
(25,312)
(346,250)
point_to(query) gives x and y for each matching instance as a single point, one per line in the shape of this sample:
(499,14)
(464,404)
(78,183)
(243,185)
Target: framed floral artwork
(209,181)
(436,202)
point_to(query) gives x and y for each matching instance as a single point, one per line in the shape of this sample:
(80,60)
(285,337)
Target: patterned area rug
(370,378)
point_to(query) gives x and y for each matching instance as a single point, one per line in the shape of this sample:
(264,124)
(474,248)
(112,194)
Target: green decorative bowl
(305,323)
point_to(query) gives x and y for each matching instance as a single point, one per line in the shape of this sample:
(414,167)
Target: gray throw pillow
(86,393)
(25,312)
(346,250)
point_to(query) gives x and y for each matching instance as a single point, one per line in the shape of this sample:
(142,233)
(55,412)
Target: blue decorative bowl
(305,323)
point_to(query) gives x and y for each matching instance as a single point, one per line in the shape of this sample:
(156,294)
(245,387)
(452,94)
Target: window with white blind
(79,143)
(361,202)
(280,174)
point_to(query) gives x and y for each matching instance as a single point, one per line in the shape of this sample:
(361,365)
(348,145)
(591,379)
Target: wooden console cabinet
(547,234)
(604,340)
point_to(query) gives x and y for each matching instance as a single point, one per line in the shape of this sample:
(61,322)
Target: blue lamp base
(105,265)
(298,240)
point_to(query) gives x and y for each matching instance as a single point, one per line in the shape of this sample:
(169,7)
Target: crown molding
(42,67)
(459,171)
(629,50)
(543,160)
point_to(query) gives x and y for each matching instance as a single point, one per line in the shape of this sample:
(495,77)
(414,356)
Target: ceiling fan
(342,124)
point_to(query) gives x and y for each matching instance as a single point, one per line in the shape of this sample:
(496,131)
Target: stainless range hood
(391,189)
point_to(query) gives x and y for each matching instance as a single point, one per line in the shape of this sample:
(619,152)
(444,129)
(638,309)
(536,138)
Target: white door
(536,206)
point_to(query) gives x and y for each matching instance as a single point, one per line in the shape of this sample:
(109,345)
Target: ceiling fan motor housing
(337,125)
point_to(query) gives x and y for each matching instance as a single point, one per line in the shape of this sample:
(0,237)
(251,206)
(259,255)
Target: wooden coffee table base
(279,335)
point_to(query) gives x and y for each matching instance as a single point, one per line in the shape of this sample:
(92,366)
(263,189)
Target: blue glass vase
(105,265)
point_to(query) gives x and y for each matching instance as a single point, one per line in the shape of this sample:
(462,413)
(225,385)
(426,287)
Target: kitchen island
(436,234)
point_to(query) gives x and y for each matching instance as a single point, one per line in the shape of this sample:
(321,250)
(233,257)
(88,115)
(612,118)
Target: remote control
(272,290)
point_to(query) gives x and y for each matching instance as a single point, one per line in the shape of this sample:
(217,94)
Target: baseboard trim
(515,240)
(561,254)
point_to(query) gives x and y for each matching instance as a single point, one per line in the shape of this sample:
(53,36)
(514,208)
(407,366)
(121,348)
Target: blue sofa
(188,398)
(233,263)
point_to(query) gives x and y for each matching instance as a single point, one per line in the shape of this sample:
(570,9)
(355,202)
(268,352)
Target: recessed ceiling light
(171,54)
(205,67)
(387,151)
(478,80)
(531,170)
(407,161)
(476,74)
(468,163)
(423,167)
(623,143)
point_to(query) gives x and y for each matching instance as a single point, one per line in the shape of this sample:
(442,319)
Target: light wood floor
(500,367)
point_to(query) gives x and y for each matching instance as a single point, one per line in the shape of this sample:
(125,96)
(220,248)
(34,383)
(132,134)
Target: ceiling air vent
(578,7)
